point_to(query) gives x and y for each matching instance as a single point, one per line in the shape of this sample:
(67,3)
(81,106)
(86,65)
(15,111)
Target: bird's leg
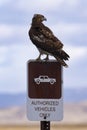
(47,57)
(38,58)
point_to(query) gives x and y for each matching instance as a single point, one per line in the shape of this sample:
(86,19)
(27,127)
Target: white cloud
(13,76)
(3,53)
(5,31)
(71,4)
(75,75)
(69,28)
(2,2)
(76,53)
(41,4)
(45,5)
(12,31)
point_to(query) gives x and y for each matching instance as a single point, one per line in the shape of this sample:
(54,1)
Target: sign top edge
(42,61)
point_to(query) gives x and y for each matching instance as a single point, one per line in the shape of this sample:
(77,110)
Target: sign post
(44,100)
(45,125)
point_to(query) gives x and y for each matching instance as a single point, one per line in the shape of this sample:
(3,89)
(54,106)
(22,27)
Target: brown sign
(44,79)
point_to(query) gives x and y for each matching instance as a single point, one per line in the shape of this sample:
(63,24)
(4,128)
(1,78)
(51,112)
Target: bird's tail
(62,62)
(61,57)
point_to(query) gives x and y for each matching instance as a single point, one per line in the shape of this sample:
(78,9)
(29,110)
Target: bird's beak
(44,19)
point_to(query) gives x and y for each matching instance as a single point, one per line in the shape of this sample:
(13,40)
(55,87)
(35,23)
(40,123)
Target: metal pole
(45,125)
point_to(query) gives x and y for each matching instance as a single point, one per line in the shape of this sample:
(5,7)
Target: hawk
(46,42)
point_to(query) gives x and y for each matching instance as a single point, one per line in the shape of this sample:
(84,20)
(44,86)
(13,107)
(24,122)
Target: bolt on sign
(44,98)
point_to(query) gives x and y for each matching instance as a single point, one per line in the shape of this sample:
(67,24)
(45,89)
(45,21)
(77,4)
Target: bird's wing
(45,39)
(49,34)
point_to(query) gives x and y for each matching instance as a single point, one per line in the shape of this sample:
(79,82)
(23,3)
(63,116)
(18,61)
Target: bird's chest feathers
(37,36)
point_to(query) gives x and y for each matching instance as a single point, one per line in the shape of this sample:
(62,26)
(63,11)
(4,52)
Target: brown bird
(44,39)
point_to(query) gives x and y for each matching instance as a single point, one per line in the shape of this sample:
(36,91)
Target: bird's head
(38,18)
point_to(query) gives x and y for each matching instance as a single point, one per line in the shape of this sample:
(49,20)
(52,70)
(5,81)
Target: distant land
(70,95)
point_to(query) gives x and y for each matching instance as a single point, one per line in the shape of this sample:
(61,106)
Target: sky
(68,21)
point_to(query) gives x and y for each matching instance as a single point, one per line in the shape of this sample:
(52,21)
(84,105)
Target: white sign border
(35,115)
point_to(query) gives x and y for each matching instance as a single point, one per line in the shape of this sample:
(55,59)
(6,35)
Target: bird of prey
(46,42)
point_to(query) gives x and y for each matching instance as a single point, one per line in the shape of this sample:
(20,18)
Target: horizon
(25,92)
(17,99)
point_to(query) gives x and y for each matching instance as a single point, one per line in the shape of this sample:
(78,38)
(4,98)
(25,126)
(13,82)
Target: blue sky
(67,19)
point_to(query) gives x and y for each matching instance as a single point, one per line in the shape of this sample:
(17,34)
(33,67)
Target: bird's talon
(47,58)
